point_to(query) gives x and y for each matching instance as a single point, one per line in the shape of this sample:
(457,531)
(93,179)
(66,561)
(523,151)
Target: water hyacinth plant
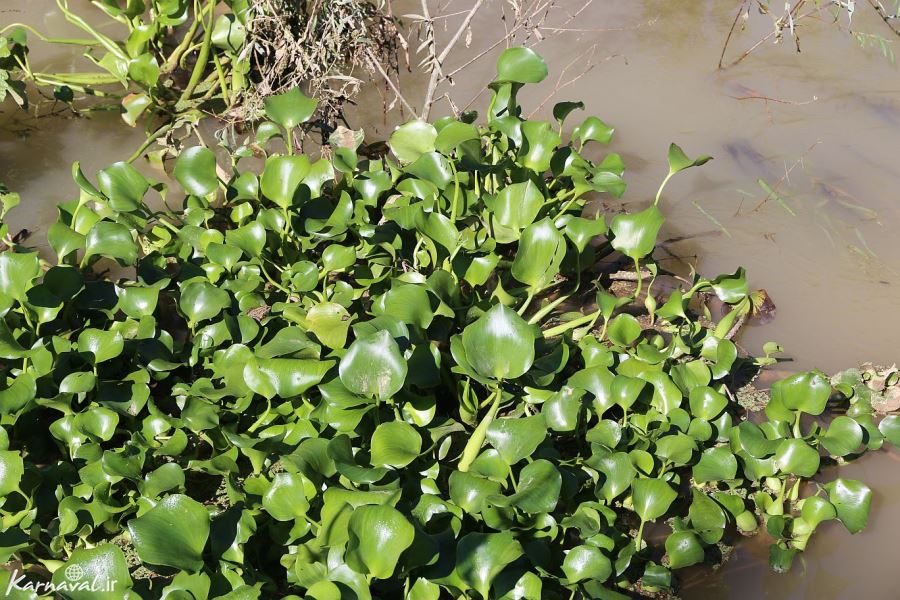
(364,378)
(144,67)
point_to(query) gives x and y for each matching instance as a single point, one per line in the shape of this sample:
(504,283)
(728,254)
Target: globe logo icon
(74,572)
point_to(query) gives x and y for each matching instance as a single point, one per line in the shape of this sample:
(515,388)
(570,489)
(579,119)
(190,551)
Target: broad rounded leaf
(378,536)
(124,185)
(411,140)
(517,438)
(172,533)
(500,344)
(684,549)
(852,499)
(286,498)
(634,235)
(520,65)
(112,240)
(374,367)
(843,437)
(104,564)
(797,458)
(395,444)
(281,177)
(808,392)
(195,170)
(540,253)
(480,557)
(651,498)
(583,563)
(290,108)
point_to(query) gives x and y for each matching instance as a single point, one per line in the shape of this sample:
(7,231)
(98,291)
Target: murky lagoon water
(827,137)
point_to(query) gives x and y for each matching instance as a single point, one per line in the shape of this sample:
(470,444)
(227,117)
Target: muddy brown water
(832,268)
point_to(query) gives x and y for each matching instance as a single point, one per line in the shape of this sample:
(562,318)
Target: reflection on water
(820,128)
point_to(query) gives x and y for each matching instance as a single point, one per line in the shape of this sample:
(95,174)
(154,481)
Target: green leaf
(852,499)
(12,468)
(581,231)
(583,563)
(796,457)
(17,272)
(229,34)
(395,444)
(480,557)
(102,567)
(500,344)
(706,403)
(409,303)
(593,129)
(634,235)
(104,345)
(540,141)
(200,300)
(816,510)
(651,498)
(517,205)
(843,437)
(890,429)
(124,185)
(195,170)
(411,140)
(623,330)
(281,177)
(378,536)
(678,160)
(540,253)
(517,438)
(808,392)
(374,367)
(173,533)
(684,549)
(716,464)
(538,489)
(618,473)
(112,240)
(285,500)
(520,65)
(330,322)
(290,108)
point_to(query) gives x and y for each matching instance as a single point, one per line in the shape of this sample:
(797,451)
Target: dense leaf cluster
(356,378)
(143,65)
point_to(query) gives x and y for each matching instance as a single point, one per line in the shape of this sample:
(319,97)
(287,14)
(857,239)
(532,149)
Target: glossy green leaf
(112,240)
(374,367)
(520,65)
(684,549)
(481,557)
(173,533)
(541,250)
(500,344)
(412,139)
(651,498)
(290,108)
(395,444)
(797,458)
(195,170)
(104,564)
(281,177)
(378,536)
(584,563)
(852,499)
(634,235)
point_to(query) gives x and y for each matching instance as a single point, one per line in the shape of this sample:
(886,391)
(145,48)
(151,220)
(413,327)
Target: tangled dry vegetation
(327,47)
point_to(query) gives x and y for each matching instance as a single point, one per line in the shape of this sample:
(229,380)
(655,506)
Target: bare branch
(376,64)
(436,73)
